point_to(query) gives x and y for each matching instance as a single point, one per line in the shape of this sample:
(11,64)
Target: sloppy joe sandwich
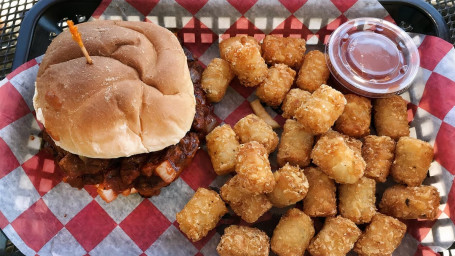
(133,119)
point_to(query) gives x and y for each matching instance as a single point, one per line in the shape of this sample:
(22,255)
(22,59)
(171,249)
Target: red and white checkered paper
(42,215)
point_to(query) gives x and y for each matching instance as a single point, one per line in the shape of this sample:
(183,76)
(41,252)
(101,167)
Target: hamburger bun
(136,97)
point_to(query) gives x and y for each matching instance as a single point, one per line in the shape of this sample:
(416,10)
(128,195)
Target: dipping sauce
(372,57)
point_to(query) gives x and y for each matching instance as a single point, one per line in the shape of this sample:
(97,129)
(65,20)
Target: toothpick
(77,38)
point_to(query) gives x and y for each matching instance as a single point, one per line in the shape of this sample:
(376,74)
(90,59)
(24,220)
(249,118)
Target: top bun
(136,97)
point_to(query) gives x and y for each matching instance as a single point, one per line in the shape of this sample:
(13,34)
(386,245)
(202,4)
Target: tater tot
(293,100)
(253,168)
(381,237)
(356,118)
(286,50)
(291,186)
(293,233)
(216,78)
(225,45)
(201,214)
(253,128)
(274,88)
(339,157)
(319,112)
(412,161)
(410,202)
(391,117)
(248,206)
(222,145)
(252,207)
(353,143)
(244,56)
(378,153)
(243,241)
(314,71)
(320,200)
(337,237)
(232,192)
(295,145)
(357,201)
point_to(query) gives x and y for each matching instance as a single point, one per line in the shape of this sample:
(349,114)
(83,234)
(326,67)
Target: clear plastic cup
(372,57)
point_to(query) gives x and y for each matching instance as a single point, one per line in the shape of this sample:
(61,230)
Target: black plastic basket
(418,17)
(46,20)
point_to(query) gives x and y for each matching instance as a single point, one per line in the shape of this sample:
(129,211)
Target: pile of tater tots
(328,158)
